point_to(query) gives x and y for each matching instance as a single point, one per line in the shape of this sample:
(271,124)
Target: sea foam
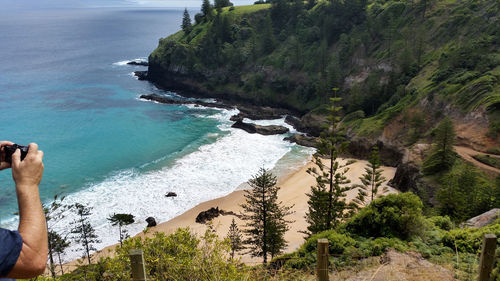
(125,62)
(213,170)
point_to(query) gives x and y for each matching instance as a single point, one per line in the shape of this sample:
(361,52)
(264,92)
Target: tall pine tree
(442,155)
(83,232)
(235,238)
(327,203)
(371,181)
(54,213)
(207,10)
(265,216)
(186,22)
(58,245)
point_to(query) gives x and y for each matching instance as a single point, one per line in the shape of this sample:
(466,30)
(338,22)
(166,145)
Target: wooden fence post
(322,267)
(487,257)
(137,264)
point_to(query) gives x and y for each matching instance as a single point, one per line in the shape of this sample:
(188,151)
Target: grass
(494,150)
(488,160)
(247,9)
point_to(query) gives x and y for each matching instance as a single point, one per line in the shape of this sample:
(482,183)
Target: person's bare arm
(27,175)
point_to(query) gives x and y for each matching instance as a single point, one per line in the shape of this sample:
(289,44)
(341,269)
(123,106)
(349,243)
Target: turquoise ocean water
(64,85)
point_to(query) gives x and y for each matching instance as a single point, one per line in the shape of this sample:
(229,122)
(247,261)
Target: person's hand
(4,165)
(27,173)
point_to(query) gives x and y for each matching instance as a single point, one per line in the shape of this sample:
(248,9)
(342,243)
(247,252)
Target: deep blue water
(63,85)
(59,87)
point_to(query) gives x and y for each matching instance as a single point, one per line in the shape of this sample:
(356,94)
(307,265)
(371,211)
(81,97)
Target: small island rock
(141,63)
(151,222)
(171,194)
(141,75)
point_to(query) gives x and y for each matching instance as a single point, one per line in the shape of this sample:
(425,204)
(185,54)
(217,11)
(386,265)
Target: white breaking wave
(212,171)
(124,62)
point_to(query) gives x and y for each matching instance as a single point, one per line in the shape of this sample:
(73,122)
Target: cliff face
(400,66)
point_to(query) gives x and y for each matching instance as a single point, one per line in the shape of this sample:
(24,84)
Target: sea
(65,84)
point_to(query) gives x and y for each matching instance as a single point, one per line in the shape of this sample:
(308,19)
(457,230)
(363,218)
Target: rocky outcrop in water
(258,129)
(171,194)
(303,140)
(151,222)
(261,113)
(141,75)
(139,63)
(170,100)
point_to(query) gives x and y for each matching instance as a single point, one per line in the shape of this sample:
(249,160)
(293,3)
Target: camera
(10,149)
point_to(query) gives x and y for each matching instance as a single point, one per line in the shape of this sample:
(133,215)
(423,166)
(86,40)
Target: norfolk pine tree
(58,245)
(84,233)
(207,10)
(264,216)
(327,204)
(121,220)
(371,181)
(235,238)
(186,22)
(442,154)
(54,212)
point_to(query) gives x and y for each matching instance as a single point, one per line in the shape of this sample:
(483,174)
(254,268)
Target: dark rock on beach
(303,140)
(151,222)
(208,215)
(409,178)
(141,75)
(171,194)
(140,63)
(263,130)
(212,213)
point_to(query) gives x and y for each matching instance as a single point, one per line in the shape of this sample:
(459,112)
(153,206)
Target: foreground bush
(392,216)
(178,256)
(469,240)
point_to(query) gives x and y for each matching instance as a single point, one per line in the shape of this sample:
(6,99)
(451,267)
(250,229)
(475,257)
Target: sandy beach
(294,188)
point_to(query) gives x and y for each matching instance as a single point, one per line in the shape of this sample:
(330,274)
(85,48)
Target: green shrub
(440,222)
(494,150)
(469,240)
(488,160)
(178,256)
(369,247)
(394,215)
(337,242)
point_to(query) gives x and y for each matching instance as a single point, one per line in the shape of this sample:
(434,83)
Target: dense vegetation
(415,62)
(384,56)
(396,221)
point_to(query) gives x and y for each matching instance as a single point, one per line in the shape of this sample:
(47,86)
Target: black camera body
(10,149)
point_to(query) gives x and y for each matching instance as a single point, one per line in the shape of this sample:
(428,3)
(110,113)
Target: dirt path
(466,153)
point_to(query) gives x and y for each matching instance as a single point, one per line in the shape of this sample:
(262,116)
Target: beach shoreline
(293,189)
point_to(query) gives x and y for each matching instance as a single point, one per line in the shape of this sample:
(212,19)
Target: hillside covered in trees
(400,66)
(414,83)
